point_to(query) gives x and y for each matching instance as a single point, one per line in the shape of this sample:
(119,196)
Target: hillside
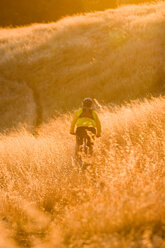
(117,57)
(113,56)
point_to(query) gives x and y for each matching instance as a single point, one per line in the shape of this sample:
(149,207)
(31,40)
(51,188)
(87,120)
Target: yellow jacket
(85,121)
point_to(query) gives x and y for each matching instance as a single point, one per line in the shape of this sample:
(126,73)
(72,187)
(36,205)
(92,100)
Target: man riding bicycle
(88,126)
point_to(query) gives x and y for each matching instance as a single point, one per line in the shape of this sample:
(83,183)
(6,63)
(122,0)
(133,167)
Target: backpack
(86,112)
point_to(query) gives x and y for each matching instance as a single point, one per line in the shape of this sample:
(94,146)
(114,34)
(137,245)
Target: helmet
(87,102)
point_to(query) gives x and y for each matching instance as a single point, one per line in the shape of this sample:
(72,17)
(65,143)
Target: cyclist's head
(87,102)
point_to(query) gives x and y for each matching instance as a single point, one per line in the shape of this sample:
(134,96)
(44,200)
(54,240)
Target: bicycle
(83,156)
(84,149)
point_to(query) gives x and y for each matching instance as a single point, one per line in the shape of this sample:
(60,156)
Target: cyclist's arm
(73,123)
(98,124)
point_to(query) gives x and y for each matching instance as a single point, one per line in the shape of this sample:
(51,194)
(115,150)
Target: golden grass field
(116,56)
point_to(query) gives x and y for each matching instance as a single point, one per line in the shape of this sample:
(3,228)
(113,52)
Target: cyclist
(88,125)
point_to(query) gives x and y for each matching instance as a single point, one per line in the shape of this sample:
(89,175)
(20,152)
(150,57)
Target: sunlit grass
(45,201)
(114,56)
(118,202)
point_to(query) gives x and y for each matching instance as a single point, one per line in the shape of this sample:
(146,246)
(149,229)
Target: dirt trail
(38,117)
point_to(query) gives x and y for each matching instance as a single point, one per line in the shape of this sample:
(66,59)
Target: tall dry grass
(45,202)
(119,202)
(113,56)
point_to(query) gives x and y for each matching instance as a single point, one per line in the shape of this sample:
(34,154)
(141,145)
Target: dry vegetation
(119,202)
(113,56)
